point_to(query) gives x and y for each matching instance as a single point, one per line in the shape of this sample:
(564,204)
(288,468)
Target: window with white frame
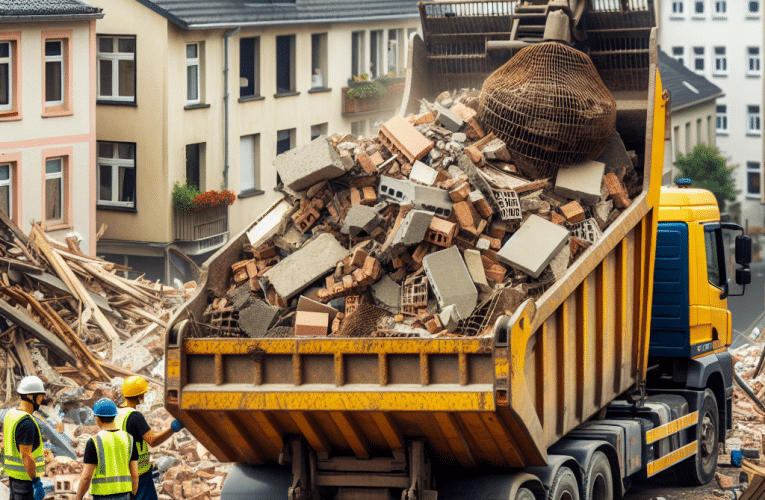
(319,61)
(54,72)
(116,174)
(6,189)
(698,59)
(396,45)
(376,53)
(722,119)
(753,120)
(753,9)
(698,7)
(677,8)
(249,67)
(249,165)
(285,64)
(116,68)
(753,179)
(54,189)
(679,54)
(721,62)
(357,53)
(6,76)
(193,73)
(752,61)
(721,9)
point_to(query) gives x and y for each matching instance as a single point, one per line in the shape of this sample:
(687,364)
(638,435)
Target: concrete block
(423,174)
(387,294)
(413,228)
(360,218)
(447,119)
(306,265)
(347,160)
(451,280)
(304,166)
(450,318)
(475,266)
(582,180)
(427,198)
(311,324)
(496,150)
(533,246)
(257,318)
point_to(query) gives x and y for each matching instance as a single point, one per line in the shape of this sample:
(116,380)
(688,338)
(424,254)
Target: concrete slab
(360,218)
(533,246)
(581,180)
(299,270)
(304,166)
(423,173)
(475,266)
(387,294)
(413,228)
(451,280)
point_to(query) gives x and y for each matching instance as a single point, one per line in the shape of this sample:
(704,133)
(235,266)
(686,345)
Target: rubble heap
(426,230)
(748,416)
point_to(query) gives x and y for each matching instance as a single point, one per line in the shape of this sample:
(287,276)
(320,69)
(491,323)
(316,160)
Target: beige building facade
(177,102)
(48,118)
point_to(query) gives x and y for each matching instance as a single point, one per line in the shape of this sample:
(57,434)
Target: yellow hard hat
(134,386)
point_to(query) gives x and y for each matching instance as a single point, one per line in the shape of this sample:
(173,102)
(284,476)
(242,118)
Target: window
(249,165)
(194,163)
(54,72)
(753,120)
(116,174)
(687,139)
(376,53)
(721,9)
(722,119)
(752,179)
(54,190)
(715,271)
(10,87)
(116,68)
(193,73)
(396,47)
(677,8)
(249,67)
(57,73)
(753,9)
(317,130)
(698,59)
(698,7)
(319,61)
(285,140)
(285,64)
(6,189)
(753,61)
(679,54)
(357,53)
(721,62)
(676,141)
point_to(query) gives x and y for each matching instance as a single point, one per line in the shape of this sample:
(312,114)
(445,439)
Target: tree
(708,169)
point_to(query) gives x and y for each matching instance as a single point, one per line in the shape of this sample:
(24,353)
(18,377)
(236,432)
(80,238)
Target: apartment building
(723,41)
(211,92)
(48,116)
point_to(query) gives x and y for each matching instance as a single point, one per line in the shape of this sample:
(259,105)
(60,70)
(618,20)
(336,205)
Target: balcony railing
(389,101)
(202,231)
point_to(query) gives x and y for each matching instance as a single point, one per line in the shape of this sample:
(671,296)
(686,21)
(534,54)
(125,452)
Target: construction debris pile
(748,413)
(425,230)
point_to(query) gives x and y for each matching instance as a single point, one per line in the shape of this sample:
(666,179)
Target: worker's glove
(175,426)
(38,489)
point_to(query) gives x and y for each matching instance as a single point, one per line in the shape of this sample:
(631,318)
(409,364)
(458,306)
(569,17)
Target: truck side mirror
(743,251)
(743,276)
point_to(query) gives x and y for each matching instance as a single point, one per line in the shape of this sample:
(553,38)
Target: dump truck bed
(498,400)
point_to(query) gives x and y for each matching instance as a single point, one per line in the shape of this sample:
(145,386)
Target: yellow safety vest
(144,463)
(12,462)
(112,474)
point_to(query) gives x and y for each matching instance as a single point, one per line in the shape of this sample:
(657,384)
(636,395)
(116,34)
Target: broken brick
(441,232)
(573,212)
(366,163)
(474,154)
(460,192)
(617,191)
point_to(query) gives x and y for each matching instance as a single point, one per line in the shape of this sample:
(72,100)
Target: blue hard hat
(105,407)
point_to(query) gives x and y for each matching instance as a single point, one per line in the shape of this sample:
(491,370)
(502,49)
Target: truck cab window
(715,260)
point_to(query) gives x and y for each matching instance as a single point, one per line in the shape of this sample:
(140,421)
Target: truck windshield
(715,255)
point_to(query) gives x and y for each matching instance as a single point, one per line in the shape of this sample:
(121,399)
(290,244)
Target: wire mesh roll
(550,106)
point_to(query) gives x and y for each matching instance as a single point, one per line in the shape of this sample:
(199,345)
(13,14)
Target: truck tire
(524,494)
(598,483)
(565,486)
(701,468)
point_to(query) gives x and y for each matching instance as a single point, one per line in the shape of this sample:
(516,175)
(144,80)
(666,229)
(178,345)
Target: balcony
(198,232)
(390,100)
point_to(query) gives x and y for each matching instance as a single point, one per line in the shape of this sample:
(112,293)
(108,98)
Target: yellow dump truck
(617,372)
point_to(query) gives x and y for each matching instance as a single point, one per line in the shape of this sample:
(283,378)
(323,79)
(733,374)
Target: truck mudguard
(245,482)
(493,487)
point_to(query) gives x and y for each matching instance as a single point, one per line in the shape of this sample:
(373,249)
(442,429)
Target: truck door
(713,326)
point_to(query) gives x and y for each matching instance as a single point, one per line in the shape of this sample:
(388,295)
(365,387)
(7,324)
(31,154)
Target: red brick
(265,252)
(494,243)
(420,252)
(377,159)
(400,136)
(441,232)
(460,192)
(573,212)
(473,129)
(359,256)
(311,324)
(483,207)
(424,118)
(474,154)
(557,218)
(366,163)
(617,191)
(497,229)
(496,273)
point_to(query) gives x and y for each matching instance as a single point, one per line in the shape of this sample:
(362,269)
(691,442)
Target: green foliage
(708,169)
(372,90)
(183,197)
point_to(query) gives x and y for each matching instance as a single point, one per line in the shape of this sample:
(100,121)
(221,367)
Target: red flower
(213,198)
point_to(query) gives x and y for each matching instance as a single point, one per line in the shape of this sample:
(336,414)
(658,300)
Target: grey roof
(686,88)
(200,14)
(29,10)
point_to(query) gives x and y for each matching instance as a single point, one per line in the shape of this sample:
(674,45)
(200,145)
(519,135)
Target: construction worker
(134,423)
(23,457)
(111,459)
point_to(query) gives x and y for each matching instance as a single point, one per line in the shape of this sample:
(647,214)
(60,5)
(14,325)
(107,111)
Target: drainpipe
(226,36)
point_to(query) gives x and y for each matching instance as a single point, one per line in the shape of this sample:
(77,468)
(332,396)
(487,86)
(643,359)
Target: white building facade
(723,41)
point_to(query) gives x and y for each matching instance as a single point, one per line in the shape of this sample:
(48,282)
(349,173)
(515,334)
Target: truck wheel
(565,486)
(524,494)
(701,469)
(598,483)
